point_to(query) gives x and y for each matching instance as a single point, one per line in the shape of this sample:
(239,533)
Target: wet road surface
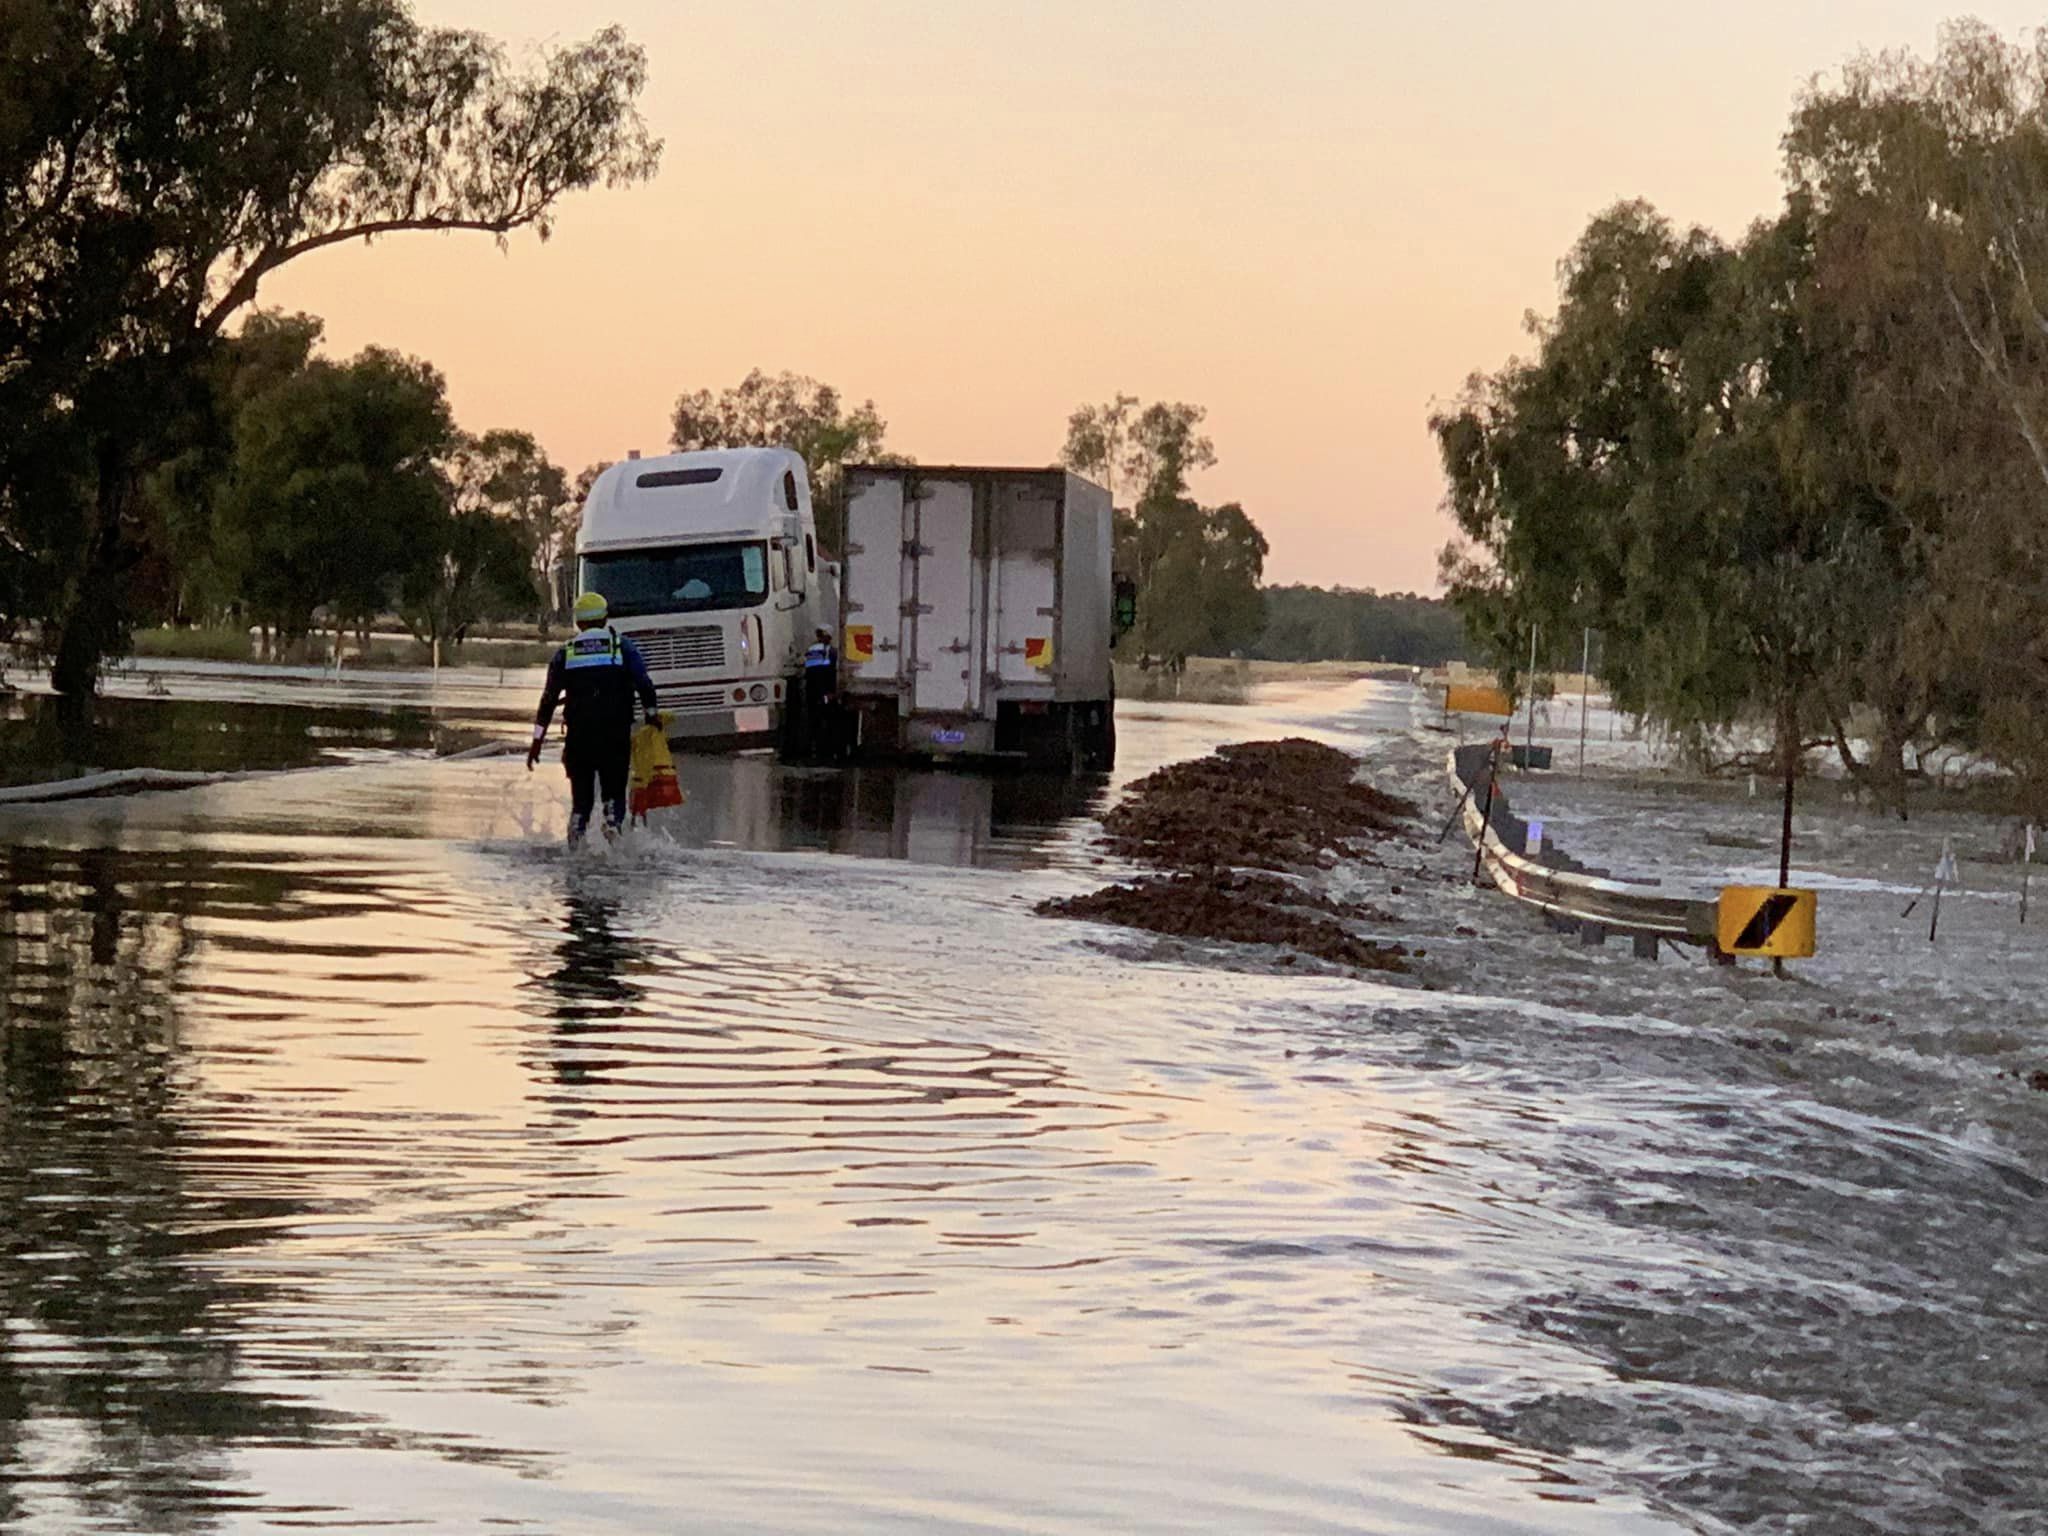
(366,1159)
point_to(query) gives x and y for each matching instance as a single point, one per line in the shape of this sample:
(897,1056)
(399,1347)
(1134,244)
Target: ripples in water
(355,1179)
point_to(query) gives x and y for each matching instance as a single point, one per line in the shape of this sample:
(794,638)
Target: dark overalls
(595,676)
(821,683)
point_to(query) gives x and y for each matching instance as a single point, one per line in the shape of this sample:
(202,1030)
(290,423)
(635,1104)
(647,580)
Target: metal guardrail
(1594,901)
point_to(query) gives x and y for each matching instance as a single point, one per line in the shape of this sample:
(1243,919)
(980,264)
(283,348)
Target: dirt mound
(1239,909)
(1260,805)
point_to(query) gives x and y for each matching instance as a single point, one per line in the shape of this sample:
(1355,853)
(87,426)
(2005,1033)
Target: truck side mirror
(1126,606)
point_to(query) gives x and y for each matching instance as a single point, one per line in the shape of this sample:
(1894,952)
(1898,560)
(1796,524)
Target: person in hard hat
(596,677)
(821,689)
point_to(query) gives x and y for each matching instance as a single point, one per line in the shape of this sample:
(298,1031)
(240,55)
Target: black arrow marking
(1765,921)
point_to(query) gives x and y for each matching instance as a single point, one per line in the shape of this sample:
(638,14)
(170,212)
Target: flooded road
(366,1159)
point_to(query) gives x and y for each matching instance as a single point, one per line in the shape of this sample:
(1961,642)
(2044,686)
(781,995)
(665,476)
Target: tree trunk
(92,624)
(1894,734)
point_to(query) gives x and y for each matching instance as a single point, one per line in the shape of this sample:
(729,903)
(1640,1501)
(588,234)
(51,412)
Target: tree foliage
(1197,569)
(505,475)
(1674,467)
(1928,177)
(158,161)
(1803,477)
(476,556)
(338,489)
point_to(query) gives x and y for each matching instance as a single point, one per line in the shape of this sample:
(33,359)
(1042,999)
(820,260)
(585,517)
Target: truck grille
(688,700)
(674,650)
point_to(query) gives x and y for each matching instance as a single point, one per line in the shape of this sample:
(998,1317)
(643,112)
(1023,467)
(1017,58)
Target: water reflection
(590,985)
(37,742)
(880,811)
(805,1195)
(148,1217)
(118,1360)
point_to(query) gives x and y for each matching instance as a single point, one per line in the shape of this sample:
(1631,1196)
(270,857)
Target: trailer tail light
(739,695)
(758,692)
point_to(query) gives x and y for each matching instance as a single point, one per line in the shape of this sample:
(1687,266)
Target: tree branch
(243,289)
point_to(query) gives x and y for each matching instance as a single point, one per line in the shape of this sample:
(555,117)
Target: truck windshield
(686,579)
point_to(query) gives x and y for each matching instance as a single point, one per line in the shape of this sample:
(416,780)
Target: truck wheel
(1098,739)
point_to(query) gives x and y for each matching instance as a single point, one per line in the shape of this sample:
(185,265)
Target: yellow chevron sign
(1476,699)
(1765,920)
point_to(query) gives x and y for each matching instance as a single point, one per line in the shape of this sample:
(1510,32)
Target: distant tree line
(1800,479)
(157,163)
(1344,624)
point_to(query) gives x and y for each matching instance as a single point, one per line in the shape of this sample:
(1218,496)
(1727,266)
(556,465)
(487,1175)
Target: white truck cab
(709,561)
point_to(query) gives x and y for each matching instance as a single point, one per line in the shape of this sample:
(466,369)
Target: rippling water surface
(366,1160)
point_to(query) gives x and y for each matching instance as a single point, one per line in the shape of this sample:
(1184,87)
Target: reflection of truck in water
(710,561)
(976,614)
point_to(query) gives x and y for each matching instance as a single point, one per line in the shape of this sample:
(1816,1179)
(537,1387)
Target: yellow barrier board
(1476,699)
(1764,920)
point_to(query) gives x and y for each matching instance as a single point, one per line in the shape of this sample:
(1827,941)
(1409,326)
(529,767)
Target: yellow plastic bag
(653,784)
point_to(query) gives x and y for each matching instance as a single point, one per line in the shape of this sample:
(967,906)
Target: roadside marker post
(1529,752)
(2026,871)
(1501,742)
(1945,875)
(1586,693)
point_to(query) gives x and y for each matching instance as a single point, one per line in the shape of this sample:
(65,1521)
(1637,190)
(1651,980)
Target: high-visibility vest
(594,648)
(819,655)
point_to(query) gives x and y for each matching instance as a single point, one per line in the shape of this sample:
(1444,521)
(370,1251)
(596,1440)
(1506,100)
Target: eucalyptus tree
(339,492)
(1928,178)
(506,474)
(159,159)
(476,560)
(1197,569)
(1678,466)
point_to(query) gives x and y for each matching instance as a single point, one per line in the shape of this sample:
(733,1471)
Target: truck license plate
(746,721)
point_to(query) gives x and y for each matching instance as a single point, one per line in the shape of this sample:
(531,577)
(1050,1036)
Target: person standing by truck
(821,696)
(596,677)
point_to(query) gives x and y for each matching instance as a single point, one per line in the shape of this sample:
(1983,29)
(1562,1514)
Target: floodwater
(368,1160)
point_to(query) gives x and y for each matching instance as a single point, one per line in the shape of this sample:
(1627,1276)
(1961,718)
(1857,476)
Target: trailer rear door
(871,650)
(1027,543)
(947,604)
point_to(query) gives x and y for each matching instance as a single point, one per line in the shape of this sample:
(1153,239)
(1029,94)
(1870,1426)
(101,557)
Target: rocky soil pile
(1256,805)
(1219,824)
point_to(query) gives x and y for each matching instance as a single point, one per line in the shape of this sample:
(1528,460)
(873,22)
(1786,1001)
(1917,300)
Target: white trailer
(976,614)
(710,562)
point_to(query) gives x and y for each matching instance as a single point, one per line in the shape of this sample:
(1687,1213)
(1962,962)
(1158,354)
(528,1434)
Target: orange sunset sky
(1313,218)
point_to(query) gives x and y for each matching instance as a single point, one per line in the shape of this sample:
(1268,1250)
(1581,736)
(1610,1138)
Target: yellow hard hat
(591,608)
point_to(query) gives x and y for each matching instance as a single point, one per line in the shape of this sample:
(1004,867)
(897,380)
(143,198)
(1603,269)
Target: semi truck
(710,562)
(976,615)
